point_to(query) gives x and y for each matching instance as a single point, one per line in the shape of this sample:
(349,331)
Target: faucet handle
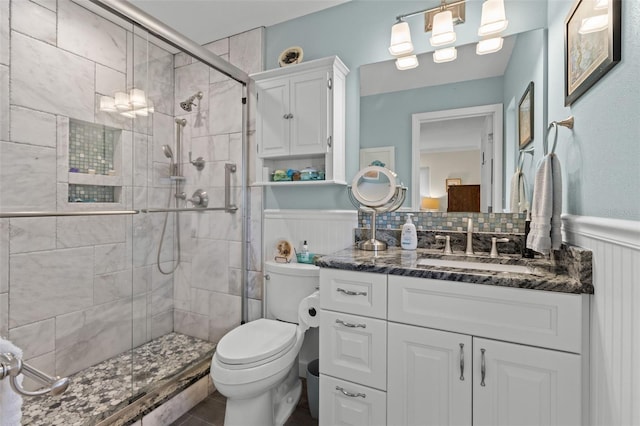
(447,243)
(494,245)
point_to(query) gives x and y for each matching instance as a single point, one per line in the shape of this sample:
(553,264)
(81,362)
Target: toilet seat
(255,343)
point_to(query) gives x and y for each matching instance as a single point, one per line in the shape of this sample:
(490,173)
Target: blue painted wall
(601,157)
(358,32)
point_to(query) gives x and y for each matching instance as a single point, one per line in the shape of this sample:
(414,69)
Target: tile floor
(210,412)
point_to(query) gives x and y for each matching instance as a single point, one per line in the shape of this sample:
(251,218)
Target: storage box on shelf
(300,121)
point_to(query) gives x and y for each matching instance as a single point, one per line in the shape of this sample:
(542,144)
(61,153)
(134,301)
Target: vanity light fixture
(400,39)
(442,32)
(493,19)
(447,54)
(131,105)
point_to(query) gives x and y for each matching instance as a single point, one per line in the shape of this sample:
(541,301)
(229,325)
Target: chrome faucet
(469,250)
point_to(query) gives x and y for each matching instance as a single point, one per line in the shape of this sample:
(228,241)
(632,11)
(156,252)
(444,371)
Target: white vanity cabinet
(455,353)
(300,120)
(353,348)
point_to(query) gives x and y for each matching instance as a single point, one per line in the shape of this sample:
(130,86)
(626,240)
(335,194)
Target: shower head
(168,152)
(189,104)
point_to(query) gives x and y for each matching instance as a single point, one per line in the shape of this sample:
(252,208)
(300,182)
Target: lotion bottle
(409,236)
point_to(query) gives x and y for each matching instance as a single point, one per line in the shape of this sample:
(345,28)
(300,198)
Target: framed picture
(452,181)
(592,45)
(384,156)
(525,117)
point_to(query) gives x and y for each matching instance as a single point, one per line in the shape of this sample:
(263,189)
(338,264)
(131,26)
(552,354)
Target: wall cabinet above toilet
(300,120)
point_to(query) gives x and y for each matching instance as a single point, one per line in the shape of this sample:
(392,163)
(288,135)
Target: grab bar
(188,209)
(11,215)
(12,366)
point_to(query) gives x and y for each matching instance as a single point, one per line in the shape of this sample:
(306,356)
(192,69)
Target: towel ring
(567,122)
(521,156)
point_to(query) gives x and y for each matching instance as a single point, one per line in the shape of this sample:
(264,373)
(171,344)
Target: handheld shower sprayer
(168,152)
(189,103)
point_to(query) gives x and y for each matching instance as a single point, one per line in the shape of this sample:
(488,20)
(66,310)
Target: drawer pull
(351,395)
(351,293)
(462,362)
(483,369)
(348,324)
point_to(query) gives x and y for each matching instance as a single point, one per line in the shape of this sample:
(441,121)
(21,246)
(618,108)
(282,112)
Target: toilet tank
(286,284)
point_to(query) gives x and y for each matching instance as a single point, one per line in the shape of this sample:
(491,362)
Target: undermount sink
(495,267)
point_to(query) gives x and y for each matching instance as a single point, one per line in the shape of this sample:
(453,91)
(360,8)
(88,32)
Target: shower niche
(94,163)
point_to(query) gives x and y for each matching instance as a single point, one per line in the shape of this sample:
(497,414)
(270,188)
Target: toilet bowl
(255,366)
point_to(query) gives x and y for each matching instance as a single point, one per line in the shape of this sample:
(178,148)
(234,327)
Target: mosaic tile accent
(91,146)
(511,223)
(91,194)
(108,387)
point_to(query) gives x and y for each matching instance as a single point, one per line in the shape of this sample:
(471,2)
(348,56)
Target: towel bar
(11,366)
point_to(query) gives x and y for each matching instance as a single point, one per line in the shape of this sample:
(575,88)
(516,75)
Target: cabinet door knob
(462,362)
(350,325)
(351,395)
(483,368)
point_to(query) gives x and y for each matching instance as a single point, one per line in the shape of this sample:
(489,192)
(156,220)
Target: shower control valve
(199,199)
(198,163)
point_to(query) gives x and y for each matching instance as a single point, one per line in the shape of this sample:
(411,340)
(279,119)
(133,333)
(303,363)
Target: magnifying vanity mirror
(456,123)
(374,190)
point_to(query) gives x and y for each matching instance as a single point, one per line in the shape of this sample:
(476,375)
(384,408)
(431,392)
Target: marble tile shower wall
(75,291)
(207,286)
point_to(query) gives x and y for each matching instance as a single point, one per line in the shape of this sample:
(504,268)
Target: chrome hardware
(351,395)
(329,141)
(267,277)
(348,324)
(228,169)
(483,368)
(287,116)
(10,215)
(198,163)
(351,293)
(469,250)
(447,243)
(290,115)
(330,83)
(494,247)
(11,366)
(199,199)
(462,362)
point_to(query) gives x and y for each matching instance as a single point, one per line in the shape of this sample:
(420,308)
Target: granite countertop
(569,273)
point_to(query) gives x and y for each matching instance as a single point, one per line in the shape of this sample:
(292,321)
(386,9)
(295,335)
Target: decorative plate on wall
(291,55)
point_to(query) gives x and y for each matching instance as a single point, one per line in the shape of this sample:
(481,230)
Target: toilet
(255,366)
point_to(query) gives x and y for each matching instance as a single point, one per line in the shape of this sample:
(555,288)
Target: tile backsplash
(509,223)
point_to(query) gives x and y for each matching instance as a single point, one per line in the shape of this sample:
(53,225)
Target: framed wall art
(525,117)
(592,45)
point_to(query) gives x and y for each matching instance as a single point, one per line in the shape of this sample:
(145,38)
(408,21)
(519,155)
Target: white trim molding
(624,233)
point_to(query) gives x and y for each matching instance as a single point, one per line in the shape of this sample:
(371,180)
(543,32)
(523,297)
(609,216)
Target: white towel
(519,202)
(546,208)
(10,402)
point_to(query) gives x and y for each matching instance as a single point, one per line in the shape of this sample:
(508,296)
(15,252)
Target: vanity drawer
(360,293)
(346,403)
(354,348)
(532,317)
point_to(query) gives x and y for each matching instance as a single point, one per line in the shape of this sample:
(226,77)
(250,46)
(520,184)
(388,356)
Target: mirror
(374,190)
(428,115)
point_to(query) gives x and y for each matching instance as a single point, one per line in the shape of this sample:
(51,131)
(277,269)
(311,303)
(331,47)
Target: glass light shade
(122,101)
(150,106)
(601,4)
(594,24)
(142,112)
(128,114)
(493,18)
(430,203)
(490,45)
(442,32)
(108,104)
(137,98)
(407,62)
(447,54)
(400,40)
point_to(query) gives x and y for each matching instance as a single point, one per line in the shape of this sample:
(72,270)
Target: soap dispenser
(409,236)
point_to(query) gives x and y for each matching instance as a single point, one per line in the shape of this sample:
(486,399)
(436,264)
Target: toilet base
(271,408)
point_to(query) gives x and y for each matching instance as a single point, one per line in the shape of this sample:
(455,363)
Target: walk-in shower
(109,282)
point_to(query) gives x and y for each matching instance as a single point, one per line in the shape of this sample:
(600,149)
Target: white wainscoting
(615,315)
(325,231)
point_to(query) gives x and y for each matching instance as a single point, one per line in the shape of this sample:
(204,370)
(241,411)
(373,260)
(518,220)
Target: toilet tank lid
(298,269)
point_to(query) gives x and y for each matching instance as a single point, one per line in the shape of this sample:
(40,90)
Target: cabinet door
(346,403)
(310,110)
(272,120)
(429,377)
(523,385)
